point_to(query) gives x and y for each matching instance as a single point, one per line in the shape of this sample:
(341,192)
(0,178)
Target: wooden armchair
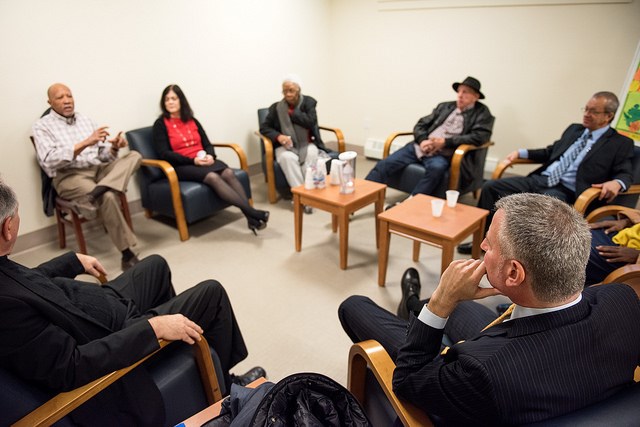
(66,213)
(62,404)
(584,200)
(465,174)
(273,175)
(184,201)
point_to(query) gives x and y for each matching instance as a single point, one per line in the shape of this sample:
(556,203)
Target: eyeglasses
(592,112)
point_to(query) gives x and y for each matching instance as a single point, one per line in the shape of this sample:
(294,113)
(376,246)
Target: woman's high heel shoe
(263,216)
(255,224)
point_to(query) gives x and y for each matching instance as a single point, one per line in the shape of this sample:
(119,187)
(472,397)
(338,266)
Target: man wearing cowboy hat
(436,136)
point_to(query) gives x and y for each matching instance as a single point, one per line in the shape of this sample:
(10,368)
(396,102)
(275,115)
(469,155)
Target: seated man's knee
(351,304)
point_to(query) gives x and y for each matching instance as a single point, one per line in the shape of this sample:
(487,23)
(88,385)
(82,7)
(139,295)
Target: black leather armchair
(276,181)
(187,377)
(184,201)
(465,174)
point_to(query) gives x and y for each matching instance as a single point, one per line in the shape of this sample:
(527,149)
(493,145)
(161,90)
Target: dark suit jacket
(526,369)
(304,116)
(61,334)
(609,158)
(477,128)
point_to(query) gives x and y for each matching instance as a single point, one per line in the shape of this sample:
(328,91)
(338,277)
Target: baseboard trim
(50,233)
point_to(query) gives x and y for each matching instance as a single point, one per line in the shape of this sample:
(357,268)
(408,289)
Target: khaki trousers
(75,183)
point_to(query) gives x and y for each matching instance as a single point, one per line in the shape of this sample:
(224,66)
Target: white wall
(372,72)
(538,65)
(117,55)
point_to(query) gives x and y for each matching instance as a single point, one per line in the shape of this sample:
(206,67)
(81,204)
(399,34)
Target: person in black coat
(436,137)
(563,348)
(591,154)
(61,333)
(292,126)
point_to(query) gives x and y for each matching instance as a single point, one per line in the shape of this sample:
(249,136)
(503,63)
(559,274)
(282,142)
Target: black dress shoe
(250,376)
(465,248)
(410,286)
(129,263)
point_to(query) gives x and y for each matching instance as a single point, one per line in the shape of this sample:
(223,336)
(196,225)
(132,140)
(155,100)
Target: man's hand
(459,282)
(98,135)
(608,190)
(118,142)
(285,141)
(91,265)
(173,327)
(431,146)
(618,253)
(511,157)
(611,226)
(205,161)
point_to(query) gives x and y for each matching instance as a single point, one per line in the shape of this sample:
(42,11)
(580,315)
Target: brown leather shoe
(125,265)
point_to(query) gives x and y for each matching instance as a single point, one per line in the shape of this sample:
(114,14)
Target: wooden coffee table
(412,219)
(340,206)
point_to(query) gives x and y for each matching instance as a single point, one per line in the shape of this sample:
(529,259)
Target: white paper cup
(452,198)
(437,205)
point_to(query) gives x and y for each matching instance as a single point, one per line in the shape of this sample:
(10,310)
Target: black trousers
(148,285)
(493,190)
(362,319)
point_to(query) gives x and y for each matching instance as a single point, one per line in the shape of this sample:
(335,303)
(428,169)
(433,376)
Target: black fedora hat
(472,83)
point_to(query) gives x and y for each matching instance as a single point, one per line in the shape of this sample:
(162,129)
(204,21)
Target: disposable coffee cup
(437,205)
(452,198)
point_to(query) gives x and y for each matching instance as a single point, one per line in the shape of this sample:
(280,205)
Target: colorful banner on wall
(628,116)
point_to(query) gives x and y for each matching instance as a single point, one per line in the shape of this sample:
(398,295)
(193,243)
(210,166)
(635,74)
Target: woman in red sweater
(181,140)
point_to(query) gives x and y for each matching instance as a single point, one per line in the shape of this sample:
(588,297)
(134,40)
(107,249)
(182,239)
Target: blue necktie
(566,160)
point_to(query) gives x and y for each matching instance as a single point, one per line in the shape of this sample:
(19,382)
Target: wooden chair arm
(590,194)
(389,141)
(174,187)
(502,167)
(242,156)
(607,210)
(62,404)
(339,137)
(629,274)
(269,157)
(371,354)
(456,161)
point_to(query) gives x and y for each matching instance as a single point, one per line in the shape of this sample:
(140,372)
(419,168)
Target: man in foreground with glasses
(591,154)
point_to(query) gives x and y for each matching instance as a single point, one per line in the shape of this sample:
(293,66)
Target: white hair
(293,78)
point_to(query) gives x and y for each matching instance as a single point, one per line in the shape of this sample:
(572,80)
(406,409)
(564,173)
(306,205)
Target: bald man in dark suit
(563,347)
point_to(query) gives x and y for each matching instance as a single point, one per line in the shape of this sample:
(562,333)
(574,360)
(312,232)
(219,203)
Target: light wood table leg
(343,225)
(478,236)
(447,255)
(379,207)
(297,221)
(334,222)
(383,252)
(416,251)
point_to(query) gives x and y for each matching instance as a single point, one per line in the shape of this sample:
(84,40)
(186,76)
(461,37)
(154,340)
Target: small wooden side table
(340,206)
(412,219)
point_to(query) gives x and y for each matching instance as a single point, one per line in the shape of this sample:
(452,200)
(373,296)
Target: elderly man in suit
(591,154)
(61,333)
(548,359)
